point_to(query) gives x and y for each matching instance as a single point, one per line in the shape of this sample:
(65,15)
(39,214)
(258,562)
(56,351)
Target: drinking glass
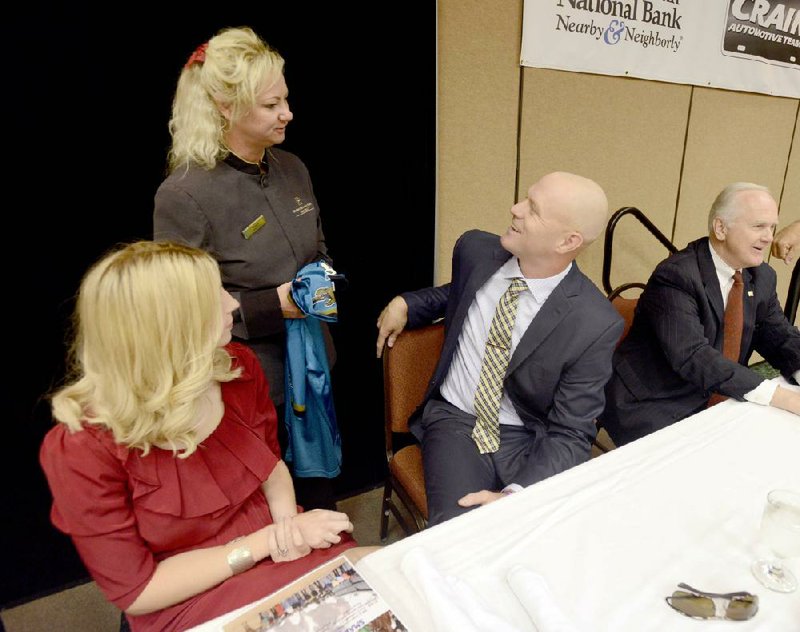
(780,531)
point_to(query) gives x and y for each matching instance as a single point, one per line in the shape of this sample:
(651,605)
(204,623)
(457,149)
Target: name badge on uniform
(253,227)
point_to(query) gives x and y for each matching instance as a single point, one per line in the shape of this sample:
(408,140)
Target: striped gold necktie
(486,433)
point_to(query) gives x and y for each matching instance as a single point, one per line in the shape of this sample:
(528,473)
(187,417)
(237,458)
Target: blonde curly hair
(236,65)
(145,351)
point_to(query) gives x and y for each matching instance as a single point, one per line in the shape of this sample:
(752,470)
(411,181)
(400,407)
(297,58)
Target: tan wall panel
(733,136)
(789,210)
(627,134)
(479,46)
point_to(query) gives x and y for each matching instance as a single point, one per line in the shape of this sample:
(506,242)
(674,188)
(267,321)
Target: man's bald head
(579,202)
(562,214)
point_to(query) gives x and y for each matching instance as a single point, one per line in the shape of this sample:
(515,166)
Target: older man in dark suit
(675,360)
(527,351)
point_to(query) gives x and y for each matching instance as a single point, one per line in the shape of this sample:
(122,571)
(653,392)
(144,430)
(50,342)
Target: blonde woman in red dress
(164,463)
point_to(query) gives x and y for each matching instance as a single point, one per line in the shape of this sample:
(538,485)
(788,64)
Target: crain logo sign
(764,30)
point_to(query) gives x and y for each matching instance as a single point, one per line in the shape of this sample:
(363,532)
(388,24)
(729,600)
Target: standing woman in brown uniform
(231,192)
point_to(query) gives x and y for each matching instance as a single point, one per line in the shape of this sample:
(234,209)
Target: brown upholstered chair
(626,308)
(407,368)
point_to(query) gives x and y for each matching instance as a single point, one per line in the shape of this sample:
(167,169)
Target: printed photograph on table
(331,598)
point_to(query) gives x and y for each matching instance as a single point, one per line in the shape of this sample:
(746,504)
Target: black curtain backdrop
(87,99)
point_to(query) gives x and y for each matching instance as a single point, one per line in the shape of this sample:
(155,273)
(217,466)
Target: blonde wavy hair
(238,65)
(147,325)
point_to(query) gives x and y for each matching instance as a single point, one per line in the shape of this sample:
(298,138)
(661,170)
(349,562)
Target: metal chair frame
(608,247)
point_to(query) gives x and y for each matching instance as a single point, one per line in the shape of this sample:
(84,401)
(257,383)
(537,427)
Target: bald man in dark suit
(564,334)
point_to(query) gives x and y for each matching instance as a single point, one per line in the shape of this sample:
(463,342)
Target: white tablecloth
(614,536)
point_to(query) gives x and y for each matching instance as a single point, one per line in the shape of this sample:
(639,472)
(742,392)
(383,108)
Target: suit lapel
(480,275)
(708,274)
(554,310)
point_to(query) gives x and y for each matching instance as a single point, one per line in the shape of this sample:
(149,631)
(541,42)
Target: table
(613,536)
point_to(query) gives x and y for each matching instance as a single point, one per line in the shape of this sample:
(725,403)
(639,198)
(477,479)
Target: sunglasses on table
(735,606)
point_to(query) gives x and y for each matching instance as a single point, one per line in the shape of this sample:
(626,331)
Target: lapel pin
(749,292)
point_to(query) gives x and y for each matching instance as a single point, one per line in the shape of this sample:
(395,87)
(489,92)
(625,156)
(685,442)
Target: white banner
(751,45)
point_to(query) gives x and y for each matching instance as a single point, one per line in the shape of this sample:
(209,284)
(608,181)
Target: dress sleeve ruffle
(87,480)
(91,504)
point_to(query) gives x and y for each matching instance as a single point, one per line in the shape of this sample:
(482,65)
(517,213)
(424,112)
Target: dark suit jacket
(671,360)
(555,377)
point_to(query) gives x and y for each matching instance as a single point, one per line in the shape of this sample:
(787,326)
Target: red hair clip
(198,56)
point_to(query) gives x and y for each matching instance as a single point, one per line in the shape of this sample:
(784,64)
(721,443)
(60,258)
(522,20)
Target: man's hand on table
(786,399)
(483,497)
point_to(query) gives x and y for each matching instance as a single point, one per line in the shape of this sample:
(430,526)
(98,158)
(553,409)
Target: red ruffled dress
(126,512)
